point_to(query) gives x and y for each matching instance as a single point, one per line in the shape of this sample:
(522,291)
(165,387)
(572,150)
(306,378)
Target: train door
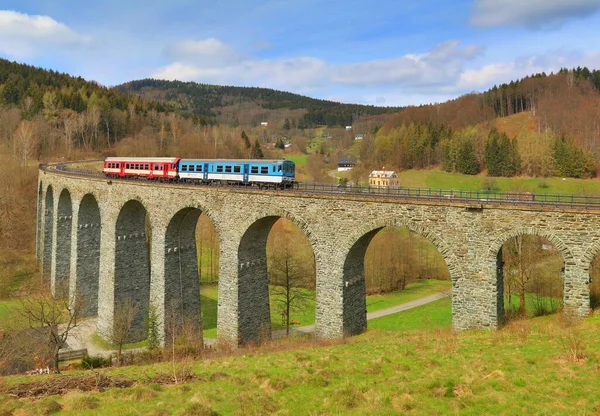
(122,169)
(205,172)
(246,168)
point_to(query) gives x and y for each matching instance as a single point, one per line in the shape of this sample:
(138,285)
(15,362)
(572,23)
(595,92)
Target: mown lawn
(540,366)
(437,314)
(306,316)
(299,160)
(438,179)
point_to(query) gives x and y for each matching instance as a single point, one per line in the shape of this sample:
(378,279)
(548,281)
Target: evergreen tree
(466,161)
(246,140)
(257,152)
(286,124)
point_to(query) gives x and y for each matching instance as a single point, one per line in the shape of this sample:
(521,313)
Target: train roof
(236,160)
(143,159)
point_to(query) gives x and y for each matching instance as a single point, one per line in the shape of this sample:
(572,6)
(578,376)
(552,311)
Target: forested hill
(213,101)
(545,124)
(35,90)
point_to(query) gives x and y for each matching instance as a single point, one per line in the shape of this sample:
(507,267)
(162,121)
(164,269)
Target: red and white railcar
(148,167)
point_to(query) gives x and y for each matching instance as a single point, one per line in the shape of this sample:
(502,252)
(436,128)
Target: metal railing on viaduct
(114,242)
(450,196)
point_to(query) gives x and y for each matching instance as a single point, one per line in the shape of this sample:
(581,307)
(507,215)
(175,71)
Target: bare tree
(25,141)
(521,256)
(289,277)
(52,318)
(124,314)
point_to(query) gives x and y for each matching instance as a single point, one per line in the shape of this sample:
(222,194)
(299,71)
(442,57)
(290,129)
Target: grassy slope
(414,290)
(6,306)
(526,368)
(443,180)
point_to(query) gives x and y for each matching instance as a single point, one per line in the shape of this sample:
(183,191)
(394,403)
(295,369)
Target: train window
(219,169)
(279,168)
(264,169)
(237,169)
(184,168)
(254,169)
(198,168)
(227,169)
(127,166)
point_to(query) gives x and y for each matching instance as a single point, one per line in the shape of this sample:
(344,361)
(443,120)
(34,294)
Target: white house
(348,127)
(264,123)
(359,136)
(345,163)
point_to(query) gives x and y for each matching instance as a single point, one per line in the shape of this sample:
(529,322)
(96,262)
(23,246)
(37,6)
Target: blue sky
(387,52)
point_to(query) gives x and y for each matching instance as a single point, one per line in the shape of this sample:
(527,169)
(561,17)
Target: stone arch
(182,286)
(355,247)
(547,234)
(590,254)
(62,268)
(132,266)
(48,233)
(253,283)
(497,264)
(87,261)
(452,262)
(39,232)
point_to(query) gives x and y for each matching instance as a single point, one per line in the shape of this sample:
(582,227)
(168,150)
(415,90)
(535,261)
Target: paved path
(82,335)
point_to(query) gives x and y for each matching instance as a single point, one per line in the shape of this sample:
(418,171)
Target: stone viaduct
(93,244)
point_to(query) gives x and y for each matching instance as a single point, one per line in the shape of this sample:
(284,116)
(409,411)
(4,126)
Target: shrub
(91,362)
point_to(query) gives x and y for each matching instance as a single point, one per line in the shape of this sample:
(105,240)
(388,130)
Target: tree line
(206,100)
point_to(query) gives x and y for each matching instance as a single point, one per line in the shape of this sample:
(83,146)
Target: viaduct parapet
(115,243)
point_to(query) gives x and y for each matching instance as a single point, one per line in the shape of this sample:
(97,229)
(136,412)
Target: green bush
(90,362)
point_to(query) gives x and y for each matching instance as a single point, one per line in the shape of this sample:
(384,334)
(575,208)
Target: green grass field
(437,314)
(438,179)
(538,366)
(414,290)
(299,160)
(6,308)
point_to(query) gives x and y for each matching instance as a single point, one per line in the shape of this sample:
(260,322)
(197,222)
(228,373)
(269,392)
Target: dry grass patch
(79,401)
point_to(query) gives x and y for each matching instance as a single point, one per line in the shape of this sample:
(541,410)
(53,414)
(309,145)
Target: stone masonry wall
(338,228)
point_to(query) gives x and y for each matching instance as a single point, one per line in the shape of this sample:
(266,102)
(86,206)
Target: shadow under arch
(62,268)
(87,262)
(39,232)
(253,282)
(591,265)
(48,233)
(132,267)
(354,285)
(495,259)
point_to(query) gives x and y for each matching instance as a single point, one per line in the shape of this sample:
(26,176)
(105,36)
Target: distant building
(327,136)
(345,163)
(264,123)
(348,127)
(359,136)
(384,179)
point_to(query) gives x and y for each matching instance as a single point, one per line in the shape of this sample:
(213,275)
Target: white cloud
(208,52)
(23,35)
(439,74)
(530,13)
(439,66)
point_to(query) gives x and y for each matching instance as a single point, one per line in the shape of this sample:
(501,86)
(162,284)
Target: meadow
(546,365)
(306,315)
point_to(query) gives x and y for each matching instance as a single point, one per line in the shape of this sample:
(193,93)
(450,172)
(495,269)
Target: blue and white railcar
(279,172)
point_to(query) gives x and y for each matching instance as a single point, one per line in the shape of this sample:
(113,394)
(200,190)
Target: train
(276,173)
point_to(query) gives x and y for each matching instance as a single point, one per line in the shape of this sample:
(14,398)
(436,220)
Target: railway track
(473,200)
